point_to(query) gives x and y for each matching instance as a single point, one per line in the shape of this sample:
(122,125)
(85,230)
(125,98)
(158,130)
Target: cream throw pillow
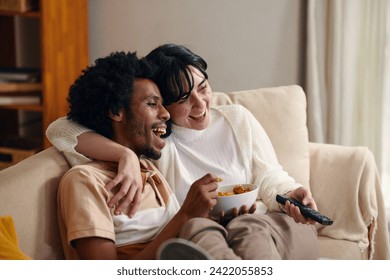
(282,113)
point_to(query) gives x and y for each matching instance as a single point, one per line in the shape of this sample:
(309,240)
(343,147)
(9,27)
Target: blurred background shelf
(51,39)
(14,149)
(19,6)
(25,107)
(23,14)
(19,87)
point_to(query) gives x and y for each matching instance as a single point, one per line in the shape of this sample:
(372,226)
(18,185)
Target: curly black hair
(106,87)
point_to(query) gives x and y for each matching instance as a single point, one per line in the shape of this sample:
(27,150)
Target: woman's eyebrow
(202,82)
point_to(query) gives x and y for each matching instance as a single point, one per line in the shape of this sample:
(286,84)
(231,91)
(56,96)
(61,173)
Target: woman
(227,141)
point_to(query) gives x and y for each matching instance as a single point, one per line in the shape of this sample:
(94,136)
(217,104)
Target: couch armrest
(28,193)
(346,186)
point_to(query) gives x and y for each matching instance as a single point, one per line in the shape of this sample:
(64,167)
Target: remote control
(306,211)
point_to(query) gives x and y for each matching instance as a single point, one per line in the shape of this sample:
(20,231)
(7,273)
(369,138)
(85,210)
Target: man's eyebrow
(154,96)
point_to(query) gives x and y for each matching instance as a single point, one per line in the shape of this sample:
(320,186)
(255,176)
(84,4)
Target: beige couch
(344,181)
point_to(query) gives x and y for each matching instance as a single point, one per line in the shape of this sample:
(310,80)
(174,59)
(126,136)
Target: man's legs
(210,236)
(181,249)
(272,236)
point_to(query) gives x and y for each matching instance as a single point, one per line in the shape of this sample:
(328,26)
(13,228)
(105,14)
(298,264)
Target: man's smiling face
(144,123)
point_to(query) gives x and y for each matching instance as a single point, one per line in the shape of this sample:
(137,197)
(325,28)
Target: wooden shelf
(19,87)
(25,14)
(33,108)
(58,45)
(15,149)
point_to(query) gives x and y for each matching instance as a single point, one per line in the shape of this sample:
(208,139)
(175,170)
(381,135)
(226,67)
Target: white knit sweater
(234,146)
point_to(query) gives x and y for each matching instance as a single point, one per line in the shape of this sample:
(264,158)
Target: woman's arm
(275,180)
(63,134)
(257,149)
(99,147)
(78,142)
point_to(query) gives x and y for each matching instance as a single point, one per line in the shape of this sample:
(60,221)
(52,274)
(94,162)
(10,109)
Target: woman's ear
(116,117)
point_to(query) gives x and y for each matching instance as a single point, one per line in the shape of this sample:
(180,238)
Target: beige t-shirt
(83,210)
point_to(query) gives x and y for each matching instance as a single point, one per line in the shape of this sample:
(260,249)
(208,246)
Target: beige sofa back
(28,193)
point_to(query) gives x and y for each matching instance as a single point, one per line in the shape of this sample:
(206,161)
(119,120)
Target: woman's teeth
(198,117)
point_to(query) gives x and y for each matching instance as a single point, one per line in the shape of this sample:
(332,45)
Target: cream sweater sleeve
(266,169)
(62,134)
(259,156)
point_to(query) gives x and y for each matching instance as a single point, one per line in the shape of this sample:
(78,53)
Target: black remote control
(306,211)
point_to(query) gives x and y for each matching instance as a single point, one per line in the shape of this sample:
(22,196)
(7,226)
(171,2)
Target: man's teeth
(159,131)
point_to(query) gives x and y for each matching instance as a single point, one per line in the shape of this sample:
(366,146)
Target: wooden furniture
(54,38)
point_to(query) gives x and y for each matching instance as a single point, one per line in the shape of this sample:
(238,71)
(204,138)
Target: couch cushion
(338,249)
(282,113)
(28,192)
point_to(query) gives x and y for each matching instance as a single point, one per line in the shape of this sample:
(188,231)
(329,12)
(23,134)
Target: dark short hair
(106,87)
(173,76)
(173,63)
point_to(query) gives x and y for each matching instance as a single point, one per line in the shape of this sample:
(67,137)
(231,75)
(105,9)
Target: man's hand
(130,180)
(201,197)
(304,196)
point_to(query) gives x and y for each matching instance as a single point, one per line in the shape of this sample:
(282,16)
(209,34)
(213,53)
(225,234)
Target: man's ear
(116,117)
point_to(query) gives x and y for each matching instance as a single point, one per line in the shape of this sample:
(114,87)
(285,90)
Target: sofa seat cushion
(339,249)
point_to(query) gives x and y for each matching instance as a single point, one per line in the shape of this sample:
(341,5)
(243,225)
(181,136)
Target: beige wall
(247,43)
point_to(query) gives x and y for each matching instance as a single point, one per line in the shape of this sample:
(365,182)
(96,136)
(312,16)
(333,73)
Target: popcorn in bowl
(234,196)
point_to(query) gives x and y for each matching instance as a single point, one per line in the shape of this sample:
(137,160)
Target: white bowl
(228,203)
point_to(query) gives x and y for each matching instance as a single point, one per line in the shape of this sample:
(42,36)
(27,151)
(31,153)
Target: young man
(117,98)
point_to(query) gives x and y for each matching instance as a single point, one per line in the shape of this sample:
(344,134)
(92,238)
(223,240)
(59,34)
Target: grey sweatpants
(271,236)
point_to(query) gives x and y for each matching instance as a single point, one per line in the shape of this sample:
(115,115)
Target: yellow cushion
(9,248)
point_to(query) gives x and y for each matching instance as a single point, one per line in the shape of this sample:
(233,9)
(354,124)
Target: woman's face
(194,112)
